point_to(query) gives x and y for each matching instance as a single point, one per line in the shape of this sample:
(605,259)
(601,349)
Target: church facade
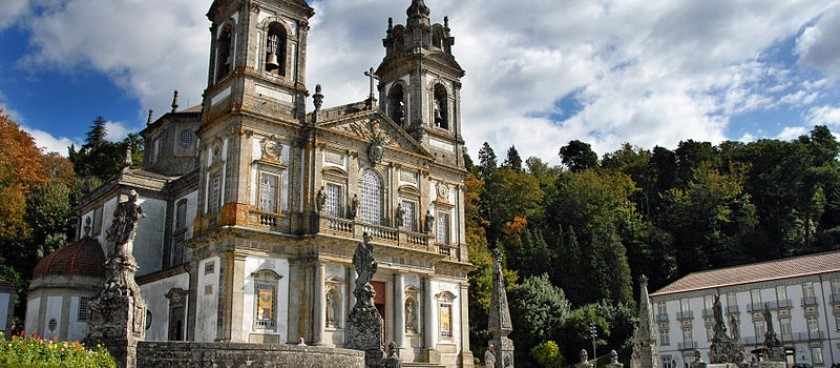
(256,200)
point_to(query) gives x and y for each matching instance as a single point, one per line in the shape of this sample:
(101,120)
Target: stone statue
(398,218)
(320,199)
(614,360)
(354,207)
(332,307)
(393,359)
(773,350)
(410,315)
(430,222)
(123,227)
(584,360)
(365,266)
(698,360)
(364,325)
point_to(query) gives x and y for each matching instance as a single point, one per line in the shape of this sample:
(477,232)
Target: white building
(803,294)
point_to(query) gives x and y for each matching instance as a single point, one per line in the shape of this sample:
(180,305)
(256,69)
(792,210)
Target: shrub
(547,354)
(35,352)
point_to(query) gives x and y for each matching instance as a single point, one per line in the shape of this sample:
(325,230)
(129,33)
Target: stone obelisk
(645,354)
(117,318)
(499,324)
(364,326)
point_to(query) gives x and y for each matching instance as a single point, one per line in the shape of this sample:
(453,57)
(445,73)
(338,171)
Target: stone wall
(192,354)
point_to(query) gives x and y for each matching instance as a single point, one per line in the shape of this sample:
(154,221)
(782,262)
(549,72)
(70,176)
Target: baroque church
(255,200)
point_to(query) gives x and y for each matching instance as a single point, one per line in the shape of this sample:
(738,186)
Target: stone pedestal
(118,313)
(365,332)
(775,364)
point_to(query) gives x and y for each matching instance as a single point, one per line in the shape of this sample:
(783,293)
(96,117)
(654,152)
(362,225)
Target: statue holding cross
(371,98)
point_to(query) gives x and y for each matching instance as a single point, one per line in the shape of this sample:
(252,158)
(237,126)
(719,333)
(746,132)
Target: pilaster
(399,309)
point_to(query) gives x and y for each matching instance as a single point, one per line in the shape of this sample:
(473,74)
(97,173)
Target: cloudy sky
(539,72)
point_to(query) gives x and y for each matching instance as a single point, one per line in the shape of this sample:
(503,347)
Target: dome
(84,257)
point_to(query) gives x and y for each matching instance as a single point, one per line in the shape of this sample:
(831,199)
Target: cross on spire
(371,98)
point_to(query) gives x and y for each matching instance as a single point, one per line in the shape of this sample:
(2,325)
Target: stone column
(351,299)
(238,330)
(399,309)
(319,299)
(466,353)
(429,330)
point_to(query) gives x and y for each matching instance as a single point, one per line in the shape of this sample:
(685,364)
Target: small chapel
(256,199)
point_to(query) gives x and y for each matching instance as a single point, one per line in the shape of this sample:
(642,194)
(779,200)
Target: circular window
(186,137)
(52,324)
(148,319)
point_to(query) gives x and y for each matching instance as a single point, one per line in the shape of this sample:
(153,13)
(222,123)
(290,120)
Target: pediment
(376,128)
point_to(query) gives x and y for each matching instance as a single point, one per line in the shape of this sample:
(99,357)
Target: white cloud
(824,115)
(149,48)
(49,142)
(645,72)
(11,11)
(116,131)
(819,46)
(791,133)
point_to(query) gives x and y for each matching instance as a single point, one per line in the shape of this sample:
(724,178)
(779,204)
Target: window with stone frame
(409,215)
(186,138)
(265,306)
(664,336)
(371,198)
(181,214)
(837,319)
(813,323)
(214,192)
(817,355)
(443,228)
(667,362)
(335,200)
(785,329)
(755,296)
(82,315)
(710,331)
(97,221)
(760,328)
(178,249)
(688,337)
(268,194)
(445,315)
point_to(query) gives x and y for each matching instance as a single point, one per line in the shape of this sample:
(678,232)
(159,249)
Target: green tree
(578,156)
(547,354)
(513,160)
(100,158)
(486,161)
(538,310)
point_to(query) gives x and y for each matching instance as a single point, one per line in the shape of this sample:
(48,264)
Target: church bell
(271,62)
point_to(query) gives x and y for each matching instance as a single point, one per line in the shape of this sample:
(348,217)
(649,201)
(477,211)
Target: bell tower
(257,58)
(420,83)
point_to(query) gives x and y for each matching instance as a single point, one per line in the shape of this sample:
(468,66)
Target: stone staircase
(422,365)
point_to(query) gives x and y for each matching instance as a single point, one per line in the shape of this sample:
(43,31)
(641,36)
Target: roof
(757,272)
(84,257)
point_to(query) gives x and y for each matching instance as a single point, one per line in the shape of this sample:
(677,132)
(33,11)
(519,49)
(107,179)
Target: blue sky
(539,72)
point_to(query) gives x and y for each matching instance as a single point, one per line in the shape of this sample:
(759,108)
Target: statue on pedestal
(365,326)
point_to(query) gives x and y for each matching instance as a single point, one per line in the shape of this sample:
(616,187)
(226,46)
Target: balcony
(708,313)
(732,310)
(809,301)
(808,336)
(388,235)
(662,317)
(688,345)
(685,315)
(835,298)
(781,304)
(755,307)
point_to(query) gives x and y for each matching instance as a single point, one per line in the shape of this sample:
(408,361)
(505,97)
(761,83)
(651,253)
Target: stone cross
(371,76)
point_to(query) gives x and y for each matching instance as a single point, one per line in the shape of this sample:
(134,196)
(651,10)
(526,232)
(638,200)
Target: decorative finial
(149,119)
(175,101)
(390,24)
(87,227)
(446,23)
(127,161)
(318,97)
(417,9)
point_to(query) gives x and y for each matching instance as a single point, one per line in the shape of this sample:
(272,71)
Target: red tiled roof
(84,257)
(757,272)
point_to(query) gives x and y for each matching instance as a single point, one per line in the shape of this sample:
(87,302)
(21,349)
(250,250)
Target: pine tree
(513,160)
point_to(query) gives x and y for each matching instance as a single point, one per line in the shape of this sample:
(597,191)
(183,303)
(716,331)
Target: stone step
(422,365)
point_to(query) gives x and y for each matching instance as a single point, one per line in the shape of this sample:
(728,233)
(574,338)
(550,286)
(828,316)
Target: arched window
(224,51)
(437,39)
(396,102)
(275,57)
(441,107)
(371,186)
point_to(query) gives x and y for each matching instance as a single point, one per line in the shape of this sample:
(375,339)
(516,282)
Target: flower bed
(35,352)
